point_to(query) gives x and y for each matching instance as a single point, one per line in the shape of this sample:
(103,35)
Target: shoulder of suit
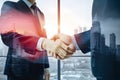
(9,3)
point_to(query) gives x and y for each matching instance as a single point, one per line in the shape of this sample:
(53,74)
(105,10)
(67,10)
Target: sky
(74,14)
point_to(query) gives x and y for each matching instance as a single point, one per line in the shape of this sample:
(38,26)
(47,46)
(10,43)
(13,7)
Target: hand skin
(66,39)
(57,48)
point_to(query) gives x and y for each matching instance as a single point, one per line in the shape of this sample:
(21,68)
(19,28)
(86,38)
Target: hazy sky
(74,14)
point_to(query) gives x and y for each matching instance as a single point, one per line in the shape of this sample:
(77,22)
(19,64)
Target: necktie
(37,22)
(34,8)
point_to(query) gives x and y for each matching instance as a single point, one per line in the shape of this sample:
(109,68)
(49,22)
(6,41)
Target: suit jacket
(23,59)
(103,56)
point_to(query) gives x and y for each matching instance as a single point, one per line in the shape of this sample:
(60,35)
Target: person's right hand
(66,39)
(57,48)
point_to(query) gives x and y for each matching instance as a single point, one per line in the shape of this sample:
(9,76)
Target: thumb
(55,37)
(71,47)
(65,38)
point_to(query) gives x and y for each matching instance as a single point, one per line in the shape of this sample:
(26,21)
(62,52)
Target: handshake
(60,46)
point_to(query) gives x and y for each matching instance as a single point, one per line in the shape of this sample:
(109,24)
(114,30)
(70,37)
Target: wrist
(43,44)
(39,44)
(47,44)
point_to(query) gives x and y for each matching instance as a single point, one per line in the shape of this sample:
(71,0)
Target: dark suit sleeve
(83,41)
(12,39)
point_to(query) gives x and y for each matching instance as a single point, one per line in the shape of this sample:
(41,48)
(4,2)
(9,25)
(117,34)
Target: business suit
(30,67)
(103,60)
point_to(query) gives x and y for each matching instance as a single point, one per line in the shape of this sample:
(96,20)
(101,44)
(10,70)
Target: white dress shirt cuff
(75,43)
(39,44)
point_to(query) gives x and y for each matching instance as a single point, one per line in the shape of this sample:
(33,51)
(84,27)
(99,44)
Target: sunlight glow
(72,16)
(69,22)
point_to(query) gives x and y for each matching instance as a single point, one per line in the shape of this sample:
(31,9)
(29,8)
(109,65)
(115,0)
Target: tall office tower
(118,53)
(95,36)
(102,43)
(112,41)
(80,29)
(84,29)
(75,31)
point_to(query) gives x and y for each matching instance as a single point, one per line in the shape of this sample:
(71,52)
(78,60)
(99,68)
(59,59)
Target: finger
(55,37)
(62,53)
(65,38)
(51,53)
(67,48)
(59,58)
(59,48)
(58,51)
(71,47)
(63,46)
(55,55)
(67,56)
(70,51)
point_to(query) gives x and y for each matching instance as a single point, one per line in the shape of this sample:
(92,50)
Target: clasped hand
(60,46)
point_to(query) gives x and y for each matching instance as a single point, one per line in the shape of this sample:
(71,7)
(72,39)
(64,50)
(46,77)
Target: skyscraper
(102,43)
(95,35)
(112,41)
(75,31)
(118,53)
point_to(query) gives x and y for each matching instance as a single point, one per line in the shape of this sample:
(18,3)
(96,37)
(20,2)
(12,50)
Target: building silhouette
(79,30)
(102,44)
(118,53)
(75,31)
(84,29)
(112,41)
(112,44)
(95,36)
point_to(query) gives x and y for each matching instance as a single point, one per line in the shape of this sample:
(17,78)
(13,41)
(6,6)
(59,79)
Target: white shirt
(75,43)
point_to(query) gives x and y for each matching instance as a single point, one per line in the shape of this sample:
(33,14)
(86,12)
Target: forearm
(12,39)
(82,41)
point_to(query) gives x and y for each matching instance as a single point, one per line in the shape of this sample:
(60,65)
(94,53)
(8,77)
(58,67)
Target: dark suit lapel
(21,6)
(38,24)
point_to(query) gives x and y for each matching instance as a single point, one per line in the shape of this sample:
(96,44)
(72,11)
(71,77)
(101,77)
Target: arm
(24,45)
(79,41)
(83,41)
(30,43)
(11,39)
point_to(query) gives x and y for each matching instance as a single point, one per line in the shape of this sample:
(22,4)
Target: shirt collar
(29,4)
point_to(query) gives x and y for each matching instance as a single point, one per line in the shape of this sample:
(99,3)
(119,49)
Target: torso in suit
(102,39)
(30,62)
